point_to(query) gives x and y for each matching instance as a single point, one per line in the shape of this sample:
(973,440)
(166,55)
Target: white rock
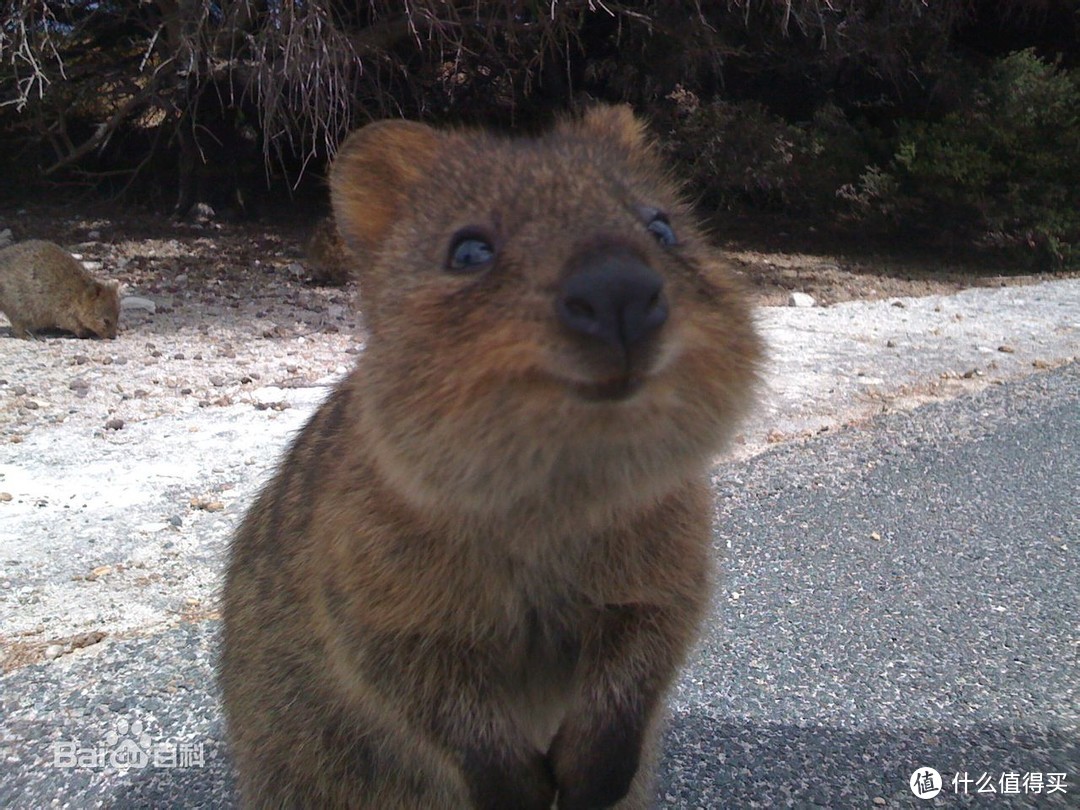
(268,395)
(801,299)
(5,237)
(131,302)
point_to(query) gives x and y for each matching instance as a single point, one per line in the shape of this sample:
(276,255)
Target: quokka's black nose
(613,297)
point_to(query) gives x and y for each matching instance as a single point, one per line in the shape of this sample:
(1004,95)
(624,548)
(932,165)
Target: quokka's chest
(542,680)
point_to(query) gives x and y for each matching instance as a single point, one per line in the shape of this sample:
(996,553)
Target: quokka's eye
(660,228)
(470,251)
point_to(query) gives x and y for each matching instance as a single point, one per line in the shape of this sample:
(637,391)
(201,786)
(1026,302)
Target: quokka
(482,562)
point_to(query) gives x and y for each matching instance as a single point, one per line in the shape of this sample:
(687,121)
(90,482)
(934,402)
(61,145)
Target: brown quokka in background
(480,565)
(42,286)
(329,261)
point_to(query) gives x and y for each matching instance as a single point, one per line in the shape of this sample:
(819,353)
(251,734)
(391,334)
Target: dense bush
(999,169)
(1006,163)
(857,112)
(741,155)
(92,92)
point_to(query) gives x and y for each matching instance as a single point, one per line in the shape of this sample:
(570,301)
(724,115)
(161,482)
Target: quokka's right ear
(372,175)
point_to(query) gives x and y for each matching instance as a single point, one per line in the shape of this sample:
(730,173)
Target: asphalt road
(896,596)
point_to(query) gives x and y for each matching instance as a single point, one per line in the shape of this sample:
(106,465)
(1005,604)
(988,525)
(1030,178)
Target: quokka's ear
(372,175)
(107,289)
(614,123)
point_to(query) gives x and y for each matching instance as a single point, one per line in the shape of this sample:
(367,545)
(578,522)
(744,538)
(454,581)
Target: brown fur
(329,260)
(42,286)
(477,570)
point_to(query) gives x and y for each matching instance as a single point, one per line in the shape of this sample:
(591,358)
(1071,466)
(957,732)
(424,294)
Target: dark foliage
(809,108)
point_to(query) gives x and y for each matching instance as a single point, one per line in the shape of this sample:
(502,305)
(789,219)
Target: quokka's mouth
(615,389)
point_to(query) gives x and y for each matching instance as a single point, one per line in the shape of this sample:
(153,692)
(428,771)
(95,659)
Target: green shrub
(1005,165)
